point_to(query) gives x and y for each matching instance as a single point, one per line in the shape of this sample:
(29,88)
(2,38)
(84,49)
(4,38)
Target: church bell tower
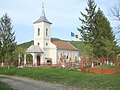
(42,28)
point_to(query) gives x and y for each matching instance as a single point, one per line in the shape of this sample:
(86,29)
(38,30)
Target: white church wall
(42,38)
(51,52)
(47,26)
(39,38)
(46,53)
(42,59)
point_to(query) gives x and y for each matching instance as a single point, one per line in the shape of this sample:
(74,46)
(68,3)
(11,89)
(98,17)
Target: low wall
(102,71)
(10,63)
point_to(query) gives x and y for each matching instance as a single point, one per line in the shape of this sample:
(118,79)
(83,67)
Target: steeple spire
(43,5)
(43,12)
(42,17)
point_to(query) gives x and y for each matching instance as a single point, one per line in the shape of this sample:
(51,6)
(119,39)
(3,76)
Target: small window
(49,61)
(38,44)
(61,54)
(38,31)
(46,44)
(46,31)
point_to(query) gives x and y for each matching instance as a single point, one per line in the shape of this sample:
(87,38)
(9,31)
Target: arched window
(46,44)
(61,55)
(46,31)
(38,44)
(38,31)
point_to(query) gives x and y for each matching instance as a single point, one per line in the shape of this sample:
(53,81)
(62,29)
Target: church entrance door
(38,60)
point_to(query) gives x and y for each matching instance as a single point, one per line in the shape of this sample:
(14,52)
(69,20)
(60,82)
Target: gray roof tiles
(34,49)
(42,17)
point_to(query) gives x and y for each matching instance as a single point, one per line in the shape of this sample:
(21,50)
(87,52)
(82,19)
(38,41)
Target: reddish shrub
(83,69)
(102,71)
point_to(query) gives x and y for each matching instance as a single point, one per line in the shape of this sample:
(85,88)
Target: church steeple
(43,12)
(42,17)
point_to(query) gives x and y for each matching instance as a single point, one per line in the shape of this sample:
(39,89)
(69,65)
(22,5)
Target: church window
(61,54)
(38,31)
(46,44)
(38,44)
(46,31)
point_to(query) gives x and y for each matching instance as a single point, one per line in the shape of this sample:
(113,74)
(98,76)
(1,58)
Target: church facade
(44,50)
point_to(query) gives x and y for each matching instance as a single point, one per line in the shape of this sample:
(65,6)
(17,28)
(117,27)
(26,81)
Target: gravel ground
(22,83)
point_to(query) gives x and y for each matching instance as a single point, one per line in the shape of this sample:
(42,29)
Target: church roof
(34,49)
(64,45)
(42,17)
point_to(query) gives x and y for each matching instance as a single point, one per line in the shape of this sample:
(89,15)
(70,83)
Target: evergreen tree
(104,40)
(87,28)
(96,32)
(7,38)
(0,48)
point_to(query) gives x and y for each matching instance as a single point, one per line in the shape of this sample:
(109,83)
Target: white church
(44,51)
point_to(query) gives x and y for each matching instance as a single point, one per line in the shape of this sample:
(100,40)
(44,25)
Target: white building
(44,51)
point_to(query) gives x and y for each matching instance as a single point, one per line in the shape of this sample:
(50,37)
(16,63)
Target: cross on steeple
(43,5)
(42,17)
(43,12)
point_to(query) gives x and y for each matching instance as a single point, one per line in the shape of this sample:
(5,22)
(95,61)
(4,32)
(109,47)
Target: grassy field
(3,86)
(71,78)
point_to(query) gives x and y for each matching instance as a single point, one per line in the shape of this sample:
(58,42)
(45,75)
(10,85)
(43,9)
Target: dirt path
(21,83)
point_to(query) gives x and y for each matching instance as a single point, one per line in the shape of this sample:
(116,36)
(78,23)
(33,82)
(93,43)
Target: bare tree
(115,12)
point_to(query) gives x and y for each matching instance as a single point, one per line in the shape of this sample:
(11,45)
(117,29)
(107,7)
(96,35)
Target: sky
(64,15)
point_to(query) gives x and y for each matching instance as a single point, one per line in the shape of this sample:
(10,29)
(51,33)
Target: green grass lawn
(3,86)
(71,78)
